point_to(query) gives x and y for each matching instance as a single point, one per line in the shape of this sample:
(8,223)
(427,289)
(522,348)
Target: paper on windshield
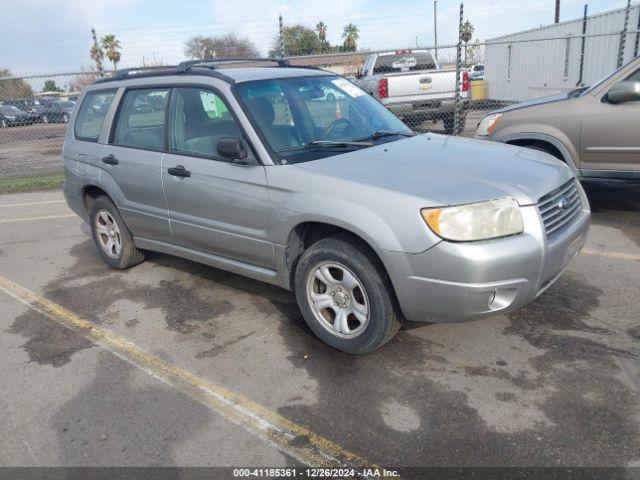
(347,87)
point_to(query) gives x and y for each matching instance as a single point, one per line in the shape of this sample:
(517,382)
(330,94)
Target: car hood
(449,170)
(535,101)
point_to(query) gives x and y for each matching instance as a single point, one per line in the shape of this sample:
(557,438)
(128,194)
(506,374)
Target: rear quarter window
(91,115)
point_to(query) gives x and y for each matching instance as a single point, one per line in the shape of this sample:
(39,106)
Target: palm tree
(350,35)
(466,34)
(111,45)
(321,28)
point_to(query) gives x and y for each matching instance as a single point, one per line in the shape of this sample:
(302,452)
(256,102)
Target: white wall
(537,67)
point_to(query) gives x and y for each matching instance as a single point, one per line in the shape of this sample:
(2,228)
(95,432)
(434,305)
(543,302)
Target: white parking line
(34,219)
(50,202)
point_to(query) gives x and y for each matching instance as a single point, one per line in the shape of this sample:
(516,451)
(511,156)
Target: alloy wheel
(337,299)
(108,234)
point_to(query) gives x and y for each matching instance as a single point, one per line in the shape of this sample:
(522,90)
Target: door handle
(179,171)
(110,160)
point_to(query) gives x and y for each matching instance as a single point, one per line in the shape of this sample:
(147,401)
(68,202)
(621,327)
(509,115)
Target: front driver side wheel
(345,295)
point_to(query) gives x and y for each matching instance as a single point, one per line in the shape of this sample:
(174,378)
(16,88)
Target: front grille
(560,206)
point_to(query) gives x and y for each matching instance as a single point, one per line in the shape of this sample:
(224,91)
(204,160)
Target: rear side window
(91,115)
(141,119)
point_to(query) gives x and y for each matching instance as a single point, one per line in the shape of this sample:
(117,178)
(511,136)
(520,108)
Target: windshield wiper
(385,133)
(326,143)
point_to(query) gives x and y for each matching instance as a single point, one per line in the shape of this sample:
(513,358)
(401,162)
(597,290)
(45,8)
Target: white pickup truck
(412,85)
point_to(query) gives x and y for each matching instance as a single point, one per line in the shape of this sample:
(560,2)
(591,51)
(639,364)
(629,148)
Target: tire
(127,255)
(334,259)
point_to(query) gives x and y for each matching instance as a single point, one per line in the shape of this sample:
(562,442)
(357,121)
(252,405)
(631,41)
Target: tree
(17,88)
(350,35)
(466,34)
(474,52)
(50,86)
(111,47)
(230,45)
(298,40)
(321,30)
(83,80)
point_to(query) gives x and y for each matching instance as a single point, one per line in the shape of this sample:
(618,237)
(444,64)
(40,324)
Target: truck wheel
(345,296)
(111,235)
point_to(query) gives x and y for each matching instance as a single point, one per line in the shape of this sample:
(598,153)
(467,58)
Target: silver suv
(259,172)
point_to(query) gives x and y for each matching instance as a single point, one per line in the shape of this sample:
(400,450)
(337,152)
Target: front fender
(545,133)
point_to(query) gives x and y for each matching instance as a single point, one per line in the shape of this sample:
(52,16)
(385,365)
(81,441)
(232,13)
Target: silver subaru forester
(296,177)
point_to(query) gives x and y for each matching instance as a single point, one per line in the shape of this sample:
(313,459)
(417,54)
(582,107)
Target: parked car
(10,116)
(411,84)
(43,110)
(367,222)
(594,129)
(477,72)
(67,106)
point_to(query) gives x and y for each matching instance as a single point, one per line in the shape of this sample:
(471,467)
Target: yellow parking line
(50,202)
(289,437)
(33,219)
(618,255)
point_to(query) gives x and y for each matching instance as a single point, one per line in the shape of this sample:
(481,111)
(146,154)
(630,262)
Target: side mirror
(232,149)
(625,91)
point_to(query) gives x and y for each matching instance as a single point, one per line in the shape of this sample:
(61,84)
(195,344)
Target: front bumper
(456,282)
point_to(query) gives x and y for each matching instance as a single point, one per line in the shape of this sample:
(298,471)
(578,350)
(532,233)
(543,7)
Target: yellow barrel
(478,90)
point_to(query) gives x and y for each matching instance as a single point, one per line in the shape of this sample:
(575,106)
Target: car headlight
(476,221)
(488,124)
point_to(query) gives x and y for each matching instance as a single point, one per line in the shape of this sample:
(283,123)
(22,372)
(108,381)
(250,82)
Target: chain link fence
(447,89)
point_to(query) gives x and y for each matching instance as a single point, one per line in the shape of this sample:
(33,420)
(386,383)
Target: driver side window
(199,119)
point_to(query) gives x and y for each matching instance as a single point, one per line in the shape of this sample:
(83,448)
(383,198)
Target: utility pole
(97,47)
(435,27)
(281,36)
(557,11)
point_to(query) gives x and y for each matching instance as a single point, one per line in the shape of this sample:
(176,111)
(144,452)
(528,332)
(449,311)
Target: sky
(57,36)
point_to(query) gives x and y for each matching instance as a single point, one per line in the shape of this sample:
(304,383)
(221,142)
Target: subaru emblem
(563,203)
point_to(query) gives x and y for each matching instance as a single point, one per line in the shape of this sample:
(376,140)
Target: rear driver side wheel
(111,236)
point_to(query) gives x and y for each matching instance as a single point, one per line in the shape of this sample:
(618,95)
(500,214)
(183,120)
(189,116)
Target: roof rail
(125,72)
(214,62)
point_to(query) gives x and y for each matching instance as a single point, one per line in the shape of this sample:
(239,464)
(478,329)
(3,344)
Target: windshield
(307,118)
(607,77)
